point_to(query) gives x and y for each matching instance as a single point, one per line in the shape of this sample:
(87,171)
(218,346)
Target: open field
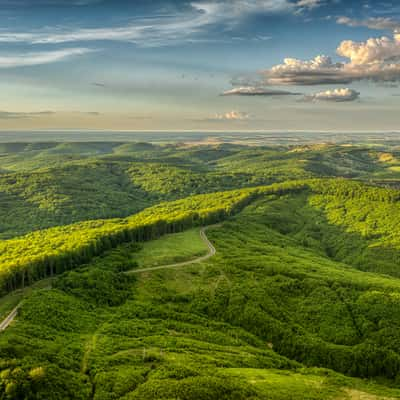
(171,249)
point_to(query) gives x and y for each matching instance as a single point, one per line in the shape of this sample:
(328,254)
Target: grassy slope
(171,249)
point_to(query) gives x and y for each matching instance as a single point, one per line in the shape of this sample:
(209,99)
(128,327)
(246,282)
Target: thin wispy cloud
(24,115)
(38,114)
(161,30)
(258,91)
(39,58)
(378,23)
(310,4)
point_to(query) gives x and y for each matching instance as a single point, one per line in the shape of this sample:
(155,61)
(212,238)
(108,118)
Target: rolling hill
(300,301)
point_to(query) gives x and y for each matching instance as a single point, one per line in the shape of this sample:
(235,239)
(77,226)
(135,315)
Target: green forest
(216,272)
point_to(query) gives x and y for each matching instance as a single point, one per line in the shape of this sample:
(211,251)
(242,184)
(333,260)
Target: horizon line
(193,131)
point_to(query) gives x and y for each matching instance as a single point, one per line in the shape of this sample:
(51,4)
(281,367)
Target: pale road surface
(211,252)
(10,318)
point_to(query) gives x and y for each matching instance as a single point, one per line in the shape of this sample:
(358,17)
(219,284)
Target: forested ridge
(44,253)
(301,300)
(52,184)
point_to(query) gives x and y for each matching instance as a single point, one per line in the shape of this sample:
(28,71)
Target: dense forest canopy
(301,299)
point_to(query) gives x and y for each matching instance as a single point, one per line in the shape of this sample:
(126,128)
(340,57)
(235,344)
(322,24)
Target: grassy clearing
(171,249)
(310,384)
(286,385)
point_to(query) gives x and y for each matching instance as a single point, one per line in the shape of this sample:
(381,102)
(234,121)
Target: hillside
(301,300)
(52,184)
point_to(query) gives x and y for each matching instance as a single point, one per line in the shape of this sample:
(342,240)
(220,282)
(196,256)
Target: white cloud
(309,3)
(219,10)
(335,95)
(39,58)
(232,116)
(374,50)
(374,59)
(257,91)
(312,72)
(378,23)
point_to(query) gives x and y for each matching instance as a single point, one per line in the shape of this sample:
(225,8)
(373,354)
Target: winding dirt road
(211,252)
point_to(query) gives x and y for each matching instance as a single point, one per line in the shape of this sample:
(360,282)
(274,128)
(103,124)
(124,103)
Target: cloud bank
(375,59)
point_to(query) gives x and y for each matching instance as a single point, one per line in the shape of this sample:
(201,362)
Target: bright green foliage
(51,184)
(101,286)
(167,181)
(301,300)
(37,200)
(44,253)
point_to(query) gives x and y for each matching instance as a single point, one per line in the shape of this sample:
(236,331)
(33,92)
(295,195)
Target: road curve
(211,252)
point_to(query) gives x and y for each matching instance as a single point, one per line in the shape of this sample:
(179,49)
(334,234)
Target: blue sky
(200,65)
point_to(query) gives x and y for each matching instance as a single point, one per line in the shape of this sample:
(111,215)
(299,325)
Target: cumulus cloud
(232,116)
(374,50)
(375,59)
(257,91)
(40,58)
(335,95)
(378,23)
(319,70)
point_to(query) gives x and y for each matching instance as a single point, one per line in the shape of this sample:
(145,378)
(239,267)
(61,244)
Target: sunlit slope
(54,250)
(354,223)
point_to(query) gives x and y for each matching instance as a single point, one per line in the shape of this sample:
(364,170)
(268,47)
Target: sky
(203,65)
